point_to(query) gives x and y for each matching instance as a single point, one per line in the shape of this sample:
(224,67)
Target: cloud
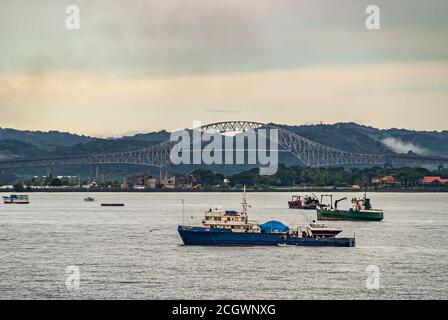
(399,146)
(101,104)
(177,37)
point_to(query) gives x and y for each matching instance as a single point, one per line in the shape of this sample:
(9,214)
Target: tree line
(298,176)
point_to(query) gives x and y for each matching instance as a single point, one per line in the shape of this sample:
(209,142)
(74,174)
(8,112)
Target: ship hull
(224,237)
(301,207)
(350,215)
(326,233)
(15,202)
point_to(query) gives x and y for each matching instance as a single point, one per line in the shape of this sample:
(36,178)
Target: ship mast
(244,203)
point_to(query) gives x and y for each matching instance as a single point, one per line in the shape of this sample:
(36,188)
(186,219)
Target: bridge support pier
(94,173)
(49,172)
(97,173)
(163,173)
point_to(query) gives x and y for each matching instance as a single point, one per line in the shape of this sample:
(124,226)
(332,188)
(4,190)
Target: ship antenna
(183,212)
(365,188)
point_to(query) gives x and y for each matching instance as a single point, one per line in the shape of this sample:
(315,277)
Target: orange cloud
(387,95)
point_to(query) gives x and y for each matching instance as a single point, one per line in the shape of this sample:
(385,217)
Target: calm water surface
(135,251)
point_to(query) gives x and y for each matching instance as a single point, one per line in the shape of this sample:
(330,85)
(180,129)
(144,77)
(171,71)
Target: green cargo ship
(361,210)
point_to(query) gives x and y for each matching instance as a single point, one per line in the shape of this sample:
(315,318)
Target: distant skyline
(147,65)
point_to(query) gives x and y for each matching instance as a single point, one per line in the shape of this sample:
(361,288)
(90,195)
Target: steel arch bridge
(310,153)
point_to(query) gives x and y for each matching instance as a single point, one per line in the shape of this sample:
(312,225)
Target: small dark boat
(89,199)
(112,204)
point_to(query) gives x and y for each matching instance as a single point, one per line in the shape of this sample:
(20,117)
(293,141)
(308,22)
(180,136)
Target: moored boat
(305,203)
(322,231)
(16,199)
(232,228)
(361,210)
(112,204)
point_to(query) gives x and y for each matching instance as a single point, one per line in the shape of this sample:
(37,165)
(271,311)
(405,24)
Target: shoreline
(292,190)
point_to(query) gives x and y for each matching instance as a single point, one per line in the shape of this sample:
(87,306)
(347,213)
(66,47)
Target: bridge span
(308,152)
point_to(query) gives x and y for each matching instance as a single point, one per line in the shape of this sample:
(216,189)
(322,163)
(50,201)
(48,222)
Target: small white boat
(16,199)
(322,231)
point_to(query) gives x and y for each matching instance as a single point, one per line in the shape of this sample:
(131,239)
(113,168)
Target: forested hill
(43,139)
(357,138)
(343,136)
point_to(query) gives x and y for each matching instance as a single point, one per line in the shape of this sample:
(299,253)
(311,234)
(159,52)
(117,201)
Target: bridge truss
(310,153)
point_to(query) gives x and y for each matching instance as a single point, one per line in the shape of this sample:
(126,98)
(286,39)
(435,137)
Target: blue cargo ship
(232,228)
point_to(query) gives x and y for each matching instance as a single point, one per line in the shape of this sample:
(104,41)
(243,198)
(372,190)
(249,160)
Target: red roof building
(388,179)
(432,180)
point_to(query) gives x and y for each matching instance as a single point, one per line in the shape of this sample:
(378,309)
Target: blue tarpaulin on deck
(273,226)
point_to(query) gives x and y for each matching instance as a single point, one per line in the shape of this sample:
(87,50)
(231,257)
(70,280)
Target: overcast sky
(144,65)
